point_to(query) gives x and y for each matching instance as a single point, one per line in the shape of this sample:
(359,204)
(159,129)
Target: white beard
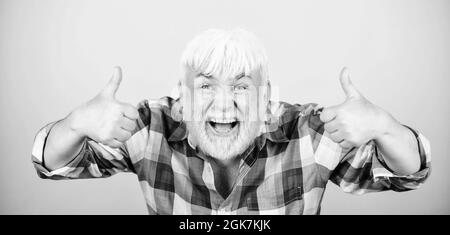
(219,147)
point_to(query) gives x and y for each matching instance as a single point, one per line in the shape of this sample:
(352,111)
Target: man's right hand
(105,119)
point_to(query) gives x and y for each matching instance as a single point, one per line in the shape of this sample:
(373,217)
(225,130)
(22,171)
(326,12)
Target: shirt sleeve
(361,170)
(94,160)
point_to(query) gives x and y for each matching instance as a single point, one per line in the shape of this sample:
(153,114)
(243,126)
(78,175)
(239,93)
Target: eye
(205,86)
(241,87)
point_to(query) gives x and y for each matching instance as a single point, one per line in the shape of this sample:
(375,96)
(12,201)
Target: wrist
(73,124)
(387,125)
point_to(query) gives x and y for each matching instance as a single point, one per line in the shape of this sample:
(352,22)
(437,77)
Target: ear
(268,92)
(264,102)
(185,96)
(180,90)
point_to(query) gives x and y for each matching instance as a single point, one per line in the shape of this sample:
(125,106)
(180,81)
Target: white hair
(218,52)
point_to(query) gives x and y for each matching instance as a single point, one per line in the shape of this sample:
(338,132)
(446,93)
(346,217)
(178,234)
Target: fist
(356,121)
(105,119)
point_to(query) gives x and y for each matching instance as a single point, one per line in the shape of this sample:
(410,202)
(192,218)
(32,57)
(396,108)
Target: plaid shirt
(284,172)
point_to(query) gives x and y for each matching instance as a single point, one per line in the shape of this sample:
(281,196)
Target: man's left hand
(356,121)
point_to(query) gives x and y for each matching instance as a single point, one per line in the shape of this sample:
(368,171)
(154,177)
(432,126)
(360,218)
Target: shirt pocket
(276,192)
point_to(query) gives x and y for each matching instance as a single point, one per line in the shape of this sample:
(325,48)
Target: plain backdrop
(55,55)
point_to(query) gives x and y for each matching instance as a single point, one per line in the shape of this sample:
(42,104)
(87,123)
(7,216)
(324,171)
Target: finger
(327,114)
(331,126)
(347,85)
(336,137)
(121,135)
(127,124)
(113,143)
(114,83)
(345,144)
(130,111)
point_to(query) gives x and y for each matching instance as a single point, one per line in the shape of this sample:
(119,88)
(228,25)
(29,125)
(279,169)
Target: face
(223,114)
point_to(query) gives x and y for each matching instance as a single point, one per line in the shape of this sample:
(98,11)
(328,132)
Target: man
(223,147)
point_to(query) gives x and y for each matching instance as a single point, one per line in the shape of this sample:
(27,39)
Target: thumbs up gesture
(105,119)
(355,121)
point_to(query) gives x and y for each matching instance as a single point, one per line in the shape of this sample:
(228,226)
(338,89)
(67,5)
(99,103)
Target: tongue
(222,127)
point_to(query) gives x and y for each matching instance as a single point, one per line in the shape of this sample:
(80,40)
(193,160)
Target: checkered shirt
(285,171)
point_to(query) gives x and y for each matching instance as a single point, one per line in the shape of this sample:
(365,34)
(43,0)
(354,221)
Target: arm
(63,143)
(398,147)
(97,129)
(362,169)
(377,152)
(358,121)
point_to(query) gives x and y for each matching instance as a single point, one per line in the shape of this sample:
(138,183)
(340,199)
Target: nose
(224,103)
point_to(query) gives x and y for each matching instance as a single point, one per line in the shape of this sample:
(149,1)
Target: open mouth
(223,127)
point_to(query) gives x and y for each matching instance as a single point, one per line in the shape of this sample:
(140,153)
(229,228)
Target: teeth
(223,121)
(222,126)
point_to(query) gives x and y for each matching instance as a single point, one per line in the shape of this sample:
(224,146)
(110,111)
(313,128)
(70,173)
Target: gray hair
(218,52)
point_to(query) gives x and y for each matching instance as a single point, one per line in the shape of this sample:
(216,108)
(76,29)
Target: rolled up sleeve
(362,170)
(93,161)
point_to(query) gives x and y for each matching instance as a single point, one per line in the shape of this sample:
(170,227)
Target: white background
(54,55)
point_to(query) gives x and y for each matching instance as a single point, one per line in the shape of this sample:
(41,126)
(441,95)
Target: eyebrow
(204,75)
(241,75)
(236,78)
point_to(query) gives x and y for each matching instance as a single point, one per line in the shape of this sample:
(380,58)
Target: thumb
(114,83)
(347,85)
